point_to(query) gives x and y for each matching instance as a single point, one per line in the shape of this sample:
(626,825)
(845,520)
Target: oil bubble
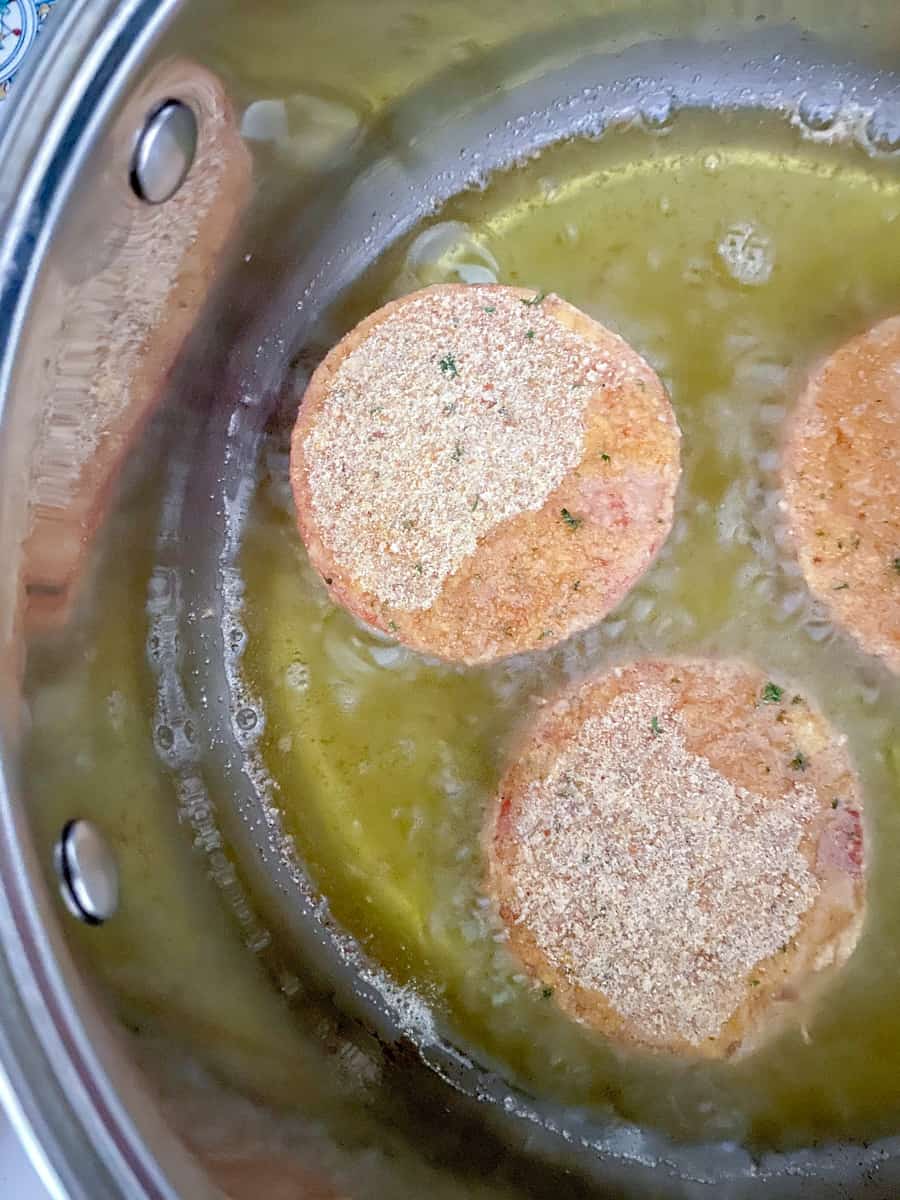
(658,111)
(883,129)
(246,719)
(747,254)
(820,110)
(642,607)
(345,696)
(265,121)
(297,676)
(450,253)
(307,129)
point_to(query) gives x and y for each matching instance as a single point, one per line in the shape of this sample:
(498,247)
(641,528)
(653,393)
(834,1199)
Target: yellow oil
(732,256)
(732,270)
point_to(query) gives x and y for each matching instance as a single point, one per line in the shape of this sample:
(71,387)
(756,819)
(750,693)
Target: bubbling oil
(732,270)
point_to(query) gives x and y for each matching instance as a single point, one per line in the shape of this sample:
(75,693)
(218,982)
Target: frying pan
(164,294)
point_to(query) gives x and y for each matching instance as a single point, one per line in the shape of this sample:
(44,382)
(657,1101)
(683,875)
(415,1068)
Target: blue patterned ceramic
(20,22)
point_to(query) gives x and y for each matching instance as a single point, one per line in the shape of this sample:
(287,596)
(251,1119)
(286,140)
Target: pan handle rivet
(164,152)
(88,874)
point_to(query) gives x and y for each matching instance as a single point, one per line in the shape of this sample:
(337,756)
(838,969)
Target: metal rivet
(164,152)
(88,875)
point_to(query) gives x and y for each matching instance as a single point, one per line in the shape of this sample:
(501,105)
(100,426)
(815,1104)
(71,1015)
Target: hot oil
(733,269)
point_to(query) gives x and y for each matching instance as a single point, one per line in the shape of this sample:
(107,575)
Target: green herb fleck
(576,585)
(490,308)
(604,457)
(840,587)
(392,626)
(547,992)
(545,633)
(754,983)
(896,565)
(457,452)
(799,762)
(797,700)
(772,693)
(419,568)
(572,522)
(835,802)
(448,366)
(475,503)
(655,727)
(535,299)
(530,334)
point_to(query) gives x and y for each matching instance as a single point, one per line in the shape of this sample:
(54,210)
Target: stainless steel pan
(159,288)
